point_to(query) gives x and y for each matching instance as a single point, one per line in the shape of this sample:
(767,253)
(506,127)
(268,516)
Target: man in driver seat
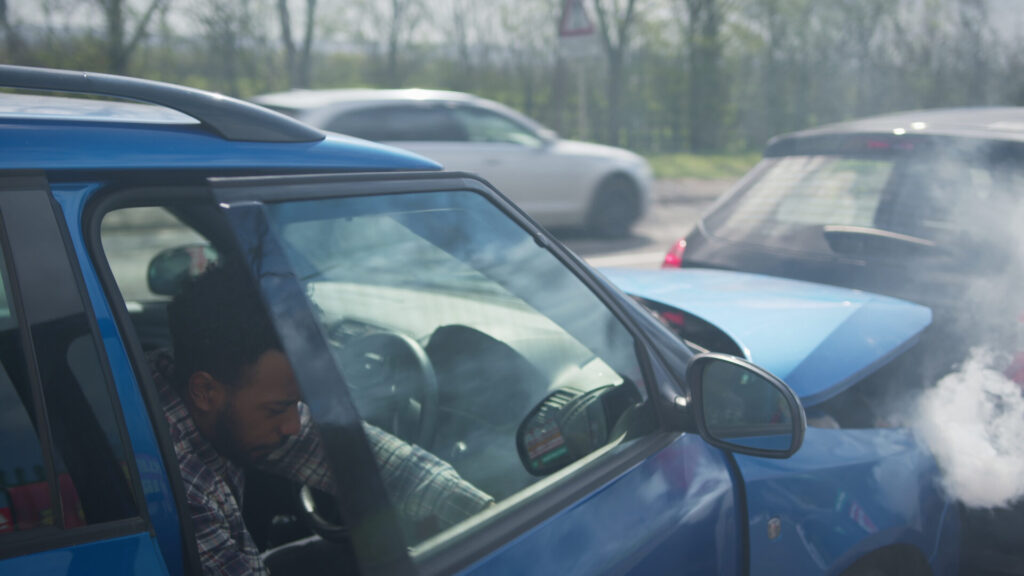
(231,401)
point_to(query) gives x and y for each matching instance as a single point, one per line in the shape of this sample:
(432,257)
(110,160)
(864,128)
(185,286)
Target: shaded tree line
(656,75)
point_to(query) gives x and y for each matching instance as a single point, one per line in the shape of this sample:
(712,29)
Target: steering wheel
(326,525)
(393,384)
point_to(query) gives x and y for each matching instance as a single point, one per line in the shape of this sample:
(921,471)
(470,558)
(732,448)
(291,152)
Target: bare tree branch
(142,26)
(284,18)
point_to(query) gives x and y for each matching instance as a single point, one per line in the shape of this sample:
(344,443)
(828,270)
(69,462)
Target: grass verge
(701,166)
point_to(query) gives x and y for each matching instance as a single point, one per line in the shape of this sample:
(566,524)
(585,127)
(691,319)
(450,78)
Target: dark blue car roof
(994,124)
(74,134)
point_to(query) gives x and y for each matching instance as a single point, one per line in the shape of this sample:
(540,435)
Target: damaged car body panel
(851,492)
(844,493)
(819,339)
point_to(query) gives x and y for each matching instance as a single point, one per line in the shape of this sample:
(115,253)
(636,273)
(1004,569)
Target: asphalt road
(677,206)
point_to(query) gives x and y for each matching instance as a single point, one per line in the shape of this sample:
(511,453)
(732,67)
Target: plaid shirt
(421,484)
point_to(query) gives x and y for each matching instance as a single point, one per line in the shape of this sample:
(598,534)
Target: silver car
(561,183)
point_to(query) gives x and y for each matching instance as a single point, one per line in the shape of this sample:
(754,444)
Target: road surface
(676,207)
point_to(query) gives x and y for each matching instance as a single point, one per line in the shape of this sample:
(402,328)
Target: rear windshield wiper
(866,241)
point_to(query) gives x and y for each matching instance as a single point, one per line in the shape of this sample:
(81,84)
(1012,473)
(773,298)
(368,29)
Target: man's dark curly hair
(219,325)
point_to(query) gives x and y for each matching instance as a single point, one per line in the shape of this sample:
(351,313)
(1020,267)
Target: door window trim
(95,209)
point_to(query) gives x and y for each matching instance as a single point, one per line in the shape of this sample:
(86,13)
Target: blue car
(859,482)
(410,304)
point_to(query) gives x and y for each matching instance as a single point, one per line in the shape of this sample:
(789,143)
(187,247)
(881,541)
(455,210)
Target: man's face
(260,412)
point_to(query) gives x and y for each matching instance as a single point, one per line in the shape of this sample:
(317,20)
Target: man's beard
(227,440)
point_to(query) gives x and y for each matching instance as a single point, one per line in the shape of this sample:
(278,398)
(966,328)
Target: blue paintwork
(155,484)
(818,339)
(673,513)
(135,554)
(104,145)
(843,494)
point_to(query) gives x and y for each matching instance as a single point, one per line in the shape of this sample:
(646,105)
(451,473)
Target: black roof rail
(231,118)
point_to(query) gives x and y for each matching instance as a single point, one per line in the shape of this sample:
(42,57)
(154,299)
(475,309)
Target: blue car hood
(819,339)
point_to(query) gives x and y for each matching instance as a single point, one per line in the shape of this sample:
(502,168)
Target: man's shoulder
(199,480)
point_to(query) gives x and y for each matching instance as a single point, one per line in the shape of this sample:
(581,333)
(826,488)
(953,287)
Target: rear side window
(400,123)
(486,126)
(63,458)
(26,497)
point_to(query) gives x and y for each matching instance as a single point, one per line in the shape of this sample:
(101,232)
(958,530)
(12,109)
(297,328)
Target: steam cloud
(973,421)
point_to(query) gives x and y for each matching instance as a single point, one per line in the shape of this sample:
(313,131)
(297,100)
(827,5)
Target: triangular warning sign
(575,21)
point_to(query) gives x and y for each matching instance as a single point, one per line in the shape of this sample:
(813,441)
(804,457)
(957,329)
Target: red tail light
(674,256)
(675,319)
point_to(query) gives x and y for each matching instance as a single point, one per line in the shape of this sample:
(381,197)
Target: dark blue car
(417,300)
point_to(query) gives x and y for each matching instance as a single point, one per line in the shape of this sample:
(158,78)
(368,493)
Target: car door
(498,332)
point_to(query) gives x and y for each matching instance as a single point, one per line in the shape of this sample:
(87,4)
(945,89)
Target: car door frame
(242,201)
(175,529)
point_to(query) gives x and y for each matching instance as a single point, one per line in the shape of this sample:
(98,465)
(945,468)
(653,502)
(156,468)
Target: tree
(707,86)
(615,24)
(530,43)
(12,40)
(387,27)
(122,38)
(236,40)
(862,20)
(462,30)
(297,59)
(975,53)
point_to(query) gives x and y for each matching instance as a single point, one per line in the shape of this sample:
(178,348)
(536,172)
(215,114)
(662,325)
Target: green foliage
(739,73)
(703,166)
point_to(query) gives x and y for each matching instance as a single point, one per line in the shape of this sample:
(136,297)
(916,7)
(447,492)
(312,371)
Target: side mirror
(742,408)
(549,136)
(169,269)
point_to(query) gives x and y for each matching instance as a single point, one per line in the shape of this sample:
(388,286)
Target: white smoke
(973,422)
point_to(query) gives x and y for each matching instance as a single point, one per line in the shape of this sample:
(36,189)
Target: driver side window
(456,332)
